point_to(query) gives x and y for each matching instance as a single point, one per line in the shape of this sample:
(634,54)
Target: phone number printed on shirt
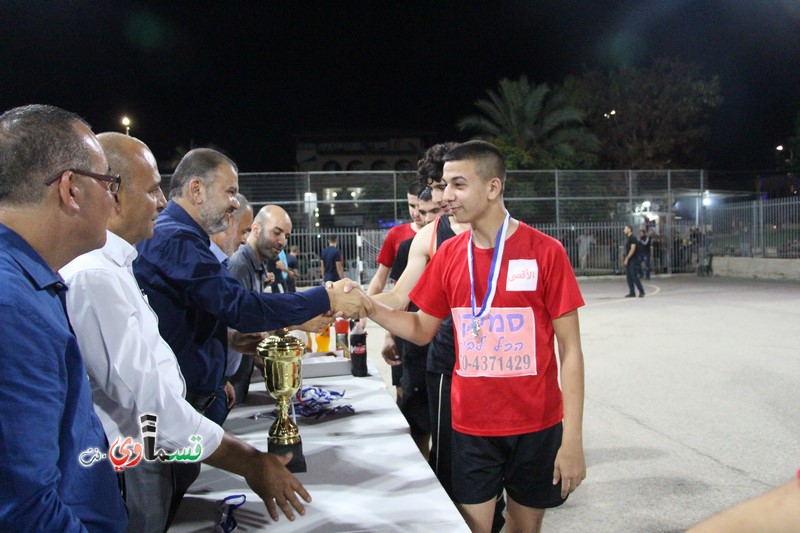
(504,346)
(495,363)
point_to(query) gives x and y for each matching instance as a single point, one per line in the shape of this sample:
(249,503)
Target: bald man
(133,371)
(268,233)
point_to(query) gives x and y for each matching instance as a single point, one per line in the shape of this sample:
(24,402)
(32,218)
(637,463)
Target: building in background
(342,150)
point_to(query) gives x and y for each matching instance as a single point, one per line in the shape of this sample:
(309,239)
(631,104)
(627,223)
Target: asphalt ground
(692,400)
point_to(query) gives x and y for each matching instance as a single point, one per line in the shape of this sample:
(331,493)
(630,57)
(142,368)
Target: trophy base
(298,462)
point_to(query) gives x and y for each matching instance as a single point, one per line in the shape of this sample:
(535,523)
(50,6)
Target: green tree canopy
(533,125)
(650,117)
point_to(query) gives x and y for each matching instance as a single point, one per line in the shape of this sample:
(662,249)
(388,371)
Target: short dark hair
(244,205)
(429,168)
(36,142)
(414,188)
(426,195)
(490,160)
(199,163)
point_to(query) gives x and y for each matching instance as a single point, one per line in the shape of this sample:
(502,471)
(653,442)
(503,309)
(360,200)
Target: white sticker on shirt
(523,275)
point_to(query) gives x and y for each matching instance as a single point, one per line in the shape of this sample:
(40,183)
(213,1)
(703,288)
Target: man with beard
(267,238)
(223,246)
(192,293)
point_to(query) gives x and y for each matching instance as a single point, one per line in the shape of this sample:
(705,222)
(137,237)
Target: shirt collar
(119,250)
(217,251)
(179,214)
(28,259)
(250,254)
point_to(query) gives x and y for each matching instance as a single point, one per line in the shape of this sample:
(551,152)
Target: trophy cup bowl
(282,355)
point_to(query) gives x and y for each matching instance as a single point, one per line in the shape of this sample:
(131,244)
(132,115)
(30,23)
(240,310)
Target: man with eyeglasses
(55,200)
(132,369)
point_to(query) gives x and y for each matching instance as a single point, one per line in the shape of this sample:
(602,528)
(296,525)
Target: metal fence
(586,210)
(359,249)
(762,228)
(375,200)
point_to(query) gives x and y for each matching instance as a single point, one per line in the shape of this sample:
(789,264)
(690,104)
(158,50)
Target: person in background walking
(631,269)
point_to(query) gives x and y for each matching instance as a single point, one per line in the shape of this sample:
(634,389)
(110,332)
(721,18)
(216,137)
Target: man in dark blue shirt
(331,262)
(55,200)
(191,292)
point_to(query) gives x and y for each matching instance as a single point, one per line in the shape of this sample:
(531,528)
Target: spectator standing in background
(331,262)
(643,250)
(293,268)
(585,242)
(631,268)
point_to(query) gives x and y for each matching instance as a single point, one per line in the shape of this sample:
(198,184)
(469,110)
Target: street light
(127,123)
(790,159)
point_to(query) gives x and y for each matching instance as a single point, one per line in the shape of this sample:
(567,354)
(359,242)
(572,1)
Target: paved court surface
(692,400)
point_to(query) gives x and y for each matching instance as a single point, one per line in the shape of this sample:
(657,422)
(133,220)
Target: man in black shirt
(631,268)
(643,250)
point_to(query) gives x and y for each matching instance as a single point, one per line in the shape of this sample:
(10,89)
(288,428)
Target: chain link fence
(585,210)
(761,228)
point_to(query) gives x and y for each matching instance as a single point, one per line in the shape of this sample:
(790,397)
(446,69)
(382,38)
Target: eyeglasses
(113,181)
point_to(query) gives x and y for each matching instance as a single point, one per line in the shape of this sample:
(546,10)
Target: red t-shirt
(393,239)
(535,277)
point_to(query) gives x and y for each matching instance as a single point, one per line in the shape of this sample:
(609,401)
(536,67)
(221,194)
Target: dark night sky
(249,75)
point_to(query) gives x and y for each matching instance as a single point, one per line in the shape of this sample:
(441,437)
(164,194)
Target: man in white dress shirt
(132,369)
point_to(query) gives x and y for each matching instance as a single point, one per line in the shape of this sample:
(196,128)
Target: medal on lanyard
(494,273)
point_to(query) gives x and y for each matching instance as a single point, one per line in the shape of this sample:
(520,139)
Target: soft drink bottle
(341,326)
(324,339)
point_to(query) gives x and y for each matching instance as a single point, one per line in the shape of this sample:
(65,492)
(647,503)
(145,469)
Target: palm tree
(533,125)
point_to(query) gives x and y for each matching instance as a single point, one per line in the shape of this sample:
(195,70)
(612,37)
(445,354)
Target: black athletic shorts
(522,464)
(414,403)
(397,375)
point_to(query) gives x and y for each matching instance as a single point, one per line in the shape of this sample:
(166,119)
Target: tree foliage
(533,125)
(788,158)
(650,117)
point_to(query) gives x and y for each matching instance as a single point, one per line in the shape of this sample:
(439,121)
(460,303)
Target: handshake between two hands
(348,300)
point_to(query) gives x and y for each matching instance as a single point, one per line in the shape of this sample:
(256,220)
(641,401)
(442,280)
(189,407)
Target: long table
(364,471)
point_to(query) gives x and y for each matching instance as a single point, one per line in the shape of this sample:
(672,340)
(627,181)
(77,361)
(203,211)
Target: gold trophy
(282,355)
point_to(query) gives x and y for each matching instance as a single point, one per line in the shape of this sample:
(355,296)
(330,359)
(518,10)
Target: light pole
(127,123)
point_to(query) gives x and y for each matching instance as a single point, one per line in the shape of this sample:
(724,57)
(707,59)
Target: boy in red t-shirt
(511,291)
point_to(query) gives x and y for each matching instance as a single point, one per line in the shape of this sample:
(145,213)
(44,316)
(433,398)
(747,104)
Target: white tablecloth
(364,471)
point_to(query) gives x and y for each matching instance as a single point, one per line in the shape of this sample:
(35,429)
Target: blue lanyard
(228,522)
(494,273)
